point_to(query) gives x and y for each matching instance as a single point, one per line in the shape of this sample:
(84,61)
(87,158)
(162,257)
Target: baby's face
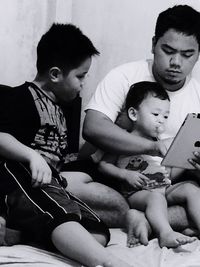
(152,115)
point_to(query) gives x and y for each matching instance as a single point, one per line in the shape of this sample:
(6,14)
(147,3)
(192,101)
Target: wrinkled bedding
(141,256)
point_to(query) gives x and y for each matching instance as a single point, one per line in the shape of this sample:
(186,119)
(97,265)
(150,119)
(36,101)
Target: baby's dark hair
(182,18)
(63,46)
(139,91)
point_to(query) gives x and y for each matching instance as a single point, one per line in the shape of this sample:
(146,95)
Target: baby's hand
(135,179)
(40,170)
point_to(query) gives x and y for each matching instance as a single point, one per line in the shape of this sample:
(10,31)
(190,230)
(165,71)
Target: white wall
(22,22)
(121,30)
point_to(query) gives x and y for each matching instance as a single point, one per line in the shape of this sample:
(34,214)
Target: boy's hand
(135,179)
(40,170)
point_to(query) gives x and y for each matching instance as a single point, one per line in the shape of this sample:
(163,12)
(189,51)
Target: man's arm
(100,131)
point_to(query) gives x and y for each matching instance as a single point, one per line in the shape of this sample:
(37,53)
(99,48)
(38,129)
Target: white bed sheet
(141,256)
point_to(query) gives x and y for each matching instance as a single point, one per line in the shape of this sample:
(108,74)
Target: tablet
(184,144)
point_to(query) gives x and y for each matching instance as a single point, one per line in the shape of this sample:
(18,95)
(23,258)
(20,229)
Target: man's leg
(188,194)
(105,201)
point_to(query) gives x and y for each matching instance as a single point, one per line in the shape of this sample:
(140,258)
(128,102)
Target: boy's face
(175,55)
(151,116)
(71,83)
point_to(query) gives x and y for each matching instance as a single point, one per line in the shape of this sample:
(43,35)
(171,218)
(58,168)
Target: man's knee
(77,177)
(189,190)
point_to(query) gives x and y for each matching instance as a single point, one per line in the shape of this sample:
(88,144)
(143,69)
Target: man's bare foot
(174,239)
(12,237)
(2,231)
(190,232)
(138,228)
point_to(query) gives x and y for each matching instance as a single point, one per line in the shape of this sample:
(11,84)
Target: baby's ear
(132,114)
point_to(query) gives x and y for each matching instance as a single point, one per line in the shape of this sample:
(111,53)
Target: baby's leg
(186,193)
(138,228)
(155,206)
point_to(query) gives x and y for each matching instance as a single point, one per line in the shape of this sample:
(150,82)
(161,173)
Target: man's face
(71,83)
(175,55)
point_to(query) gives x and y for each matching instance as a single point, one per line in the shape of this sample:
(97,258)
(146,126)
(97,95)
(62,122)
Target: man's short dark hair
(63,46)
(139,91)
(181,18)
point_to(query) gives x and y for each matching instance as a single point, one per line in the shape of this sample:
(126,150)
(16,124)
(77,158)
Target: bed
(141,256)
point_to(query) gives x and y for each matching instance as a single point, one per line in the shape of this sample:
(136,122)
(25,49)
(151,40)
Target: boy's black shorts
(38,211)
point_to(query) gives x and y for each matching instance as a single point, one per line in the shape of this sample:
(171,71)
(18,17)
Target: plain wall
(121,30)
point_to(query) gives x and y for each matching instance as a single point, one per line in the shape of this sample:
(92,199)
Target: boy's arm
(12,149)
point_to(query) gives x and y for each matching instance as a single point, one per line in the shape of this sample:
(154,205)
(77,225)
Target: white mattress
(141,256)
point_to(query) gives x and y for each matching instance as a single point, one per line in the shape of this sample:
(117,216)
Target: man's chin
(172,81)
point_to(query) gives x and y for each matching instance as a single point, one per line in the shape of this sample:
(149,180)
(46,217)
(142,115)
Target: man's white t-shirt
(111,93)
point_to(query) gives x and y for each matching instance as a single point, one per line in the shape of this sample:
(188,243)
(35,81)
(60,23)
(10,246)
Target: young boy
(143,181)
(33,135)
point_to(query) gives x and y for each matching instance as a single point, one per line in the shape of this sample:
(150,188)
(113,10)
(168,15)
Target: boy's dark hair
(181,18)
(63,46)
(139,91)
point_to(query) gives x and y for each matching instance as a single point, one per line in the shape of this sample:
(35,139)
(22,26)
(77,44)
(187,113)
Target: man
(175,49)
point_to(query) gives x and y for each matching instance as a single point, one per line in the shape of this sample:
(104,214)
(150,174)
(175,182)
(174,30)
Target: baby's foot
(138,228)
(174,239)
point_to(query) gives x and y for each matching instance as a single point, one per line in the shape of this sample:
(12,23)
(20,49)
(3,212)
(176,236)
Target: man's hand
(195,162)
(161,147)
(40,170)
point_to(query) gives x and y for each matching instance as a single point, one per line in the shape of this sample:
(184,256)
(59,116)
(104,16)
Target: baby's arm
(11,148)
(107,166)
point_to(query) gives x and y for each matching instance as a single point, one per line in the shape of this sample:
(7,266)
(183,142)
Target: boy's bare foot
(174,239)
(138,228)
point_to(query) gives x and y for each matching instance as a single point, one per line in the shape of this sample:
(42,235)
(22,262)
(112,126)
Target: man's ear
(55,74)
(153,45)
(132,114)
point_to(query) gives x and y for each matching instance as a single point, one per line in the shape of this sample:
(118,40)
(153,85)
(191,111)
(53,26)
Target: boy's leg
(105,201)
(186,193)
(75,242)
(155,206)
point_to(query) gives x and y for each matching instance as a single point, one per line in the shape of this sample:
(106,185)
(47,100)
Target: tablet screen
(185,143)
